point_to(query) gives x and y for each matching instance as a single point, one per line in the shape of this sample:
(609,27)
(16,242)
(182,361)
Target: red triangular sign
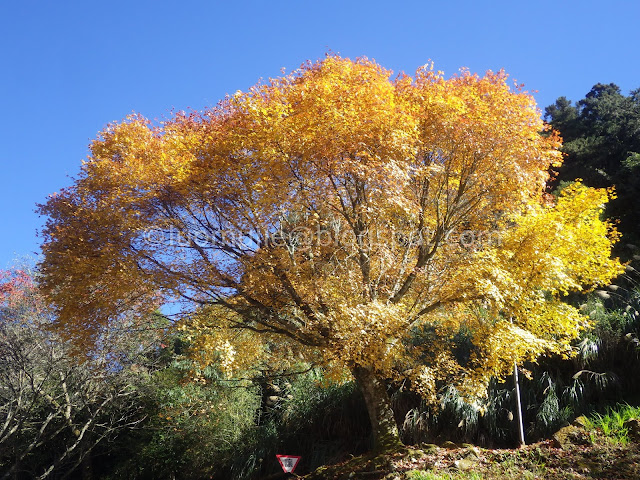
(288,462)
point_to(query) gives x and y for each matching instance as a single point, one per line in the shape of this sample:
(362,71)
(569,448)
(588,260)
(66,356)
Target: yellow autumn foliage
(328,215)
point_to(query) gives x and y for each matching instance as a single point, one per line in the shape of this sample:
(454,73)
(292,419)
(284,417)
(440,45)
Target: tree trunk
(383,424)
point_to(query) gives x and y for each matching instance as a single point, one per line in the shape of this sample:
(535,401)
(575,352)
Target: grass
(496,471)
(611,423)
(429,475)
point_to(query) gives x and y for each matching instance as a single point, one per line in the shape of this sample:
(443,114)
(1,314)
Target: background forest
(141,407)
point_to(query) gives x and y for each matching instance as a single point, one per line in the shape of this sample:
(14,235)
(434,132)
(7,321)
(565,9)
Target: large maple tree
(335,212)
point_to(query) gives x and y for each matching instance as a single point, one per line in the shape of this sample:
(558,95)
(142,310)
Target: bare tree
(55,407)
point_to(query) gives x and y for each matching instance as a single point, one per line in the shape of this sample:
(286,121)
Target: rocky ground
(573,453)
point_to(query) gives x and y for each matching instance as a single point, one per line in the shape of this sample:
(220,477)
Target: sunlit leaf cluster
(325,215)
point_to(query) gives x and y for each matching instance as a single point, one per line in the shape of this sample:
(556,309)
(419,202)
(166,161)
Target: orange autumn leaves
(329,208)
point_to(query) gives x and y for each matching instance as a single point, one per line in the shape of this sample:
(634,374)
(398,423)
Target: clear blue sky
(69,67)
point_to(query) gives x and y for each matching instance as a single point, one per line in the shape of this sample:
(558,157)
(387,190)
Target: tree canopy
(331,214)
(601,135)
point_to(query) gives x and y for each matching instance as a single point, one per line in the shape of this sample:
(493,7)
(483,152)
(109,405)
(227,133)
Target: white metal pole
(518,405)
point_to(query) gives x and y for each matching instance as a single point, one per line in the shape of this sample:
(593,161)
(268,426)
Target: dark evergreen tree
(602,144)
